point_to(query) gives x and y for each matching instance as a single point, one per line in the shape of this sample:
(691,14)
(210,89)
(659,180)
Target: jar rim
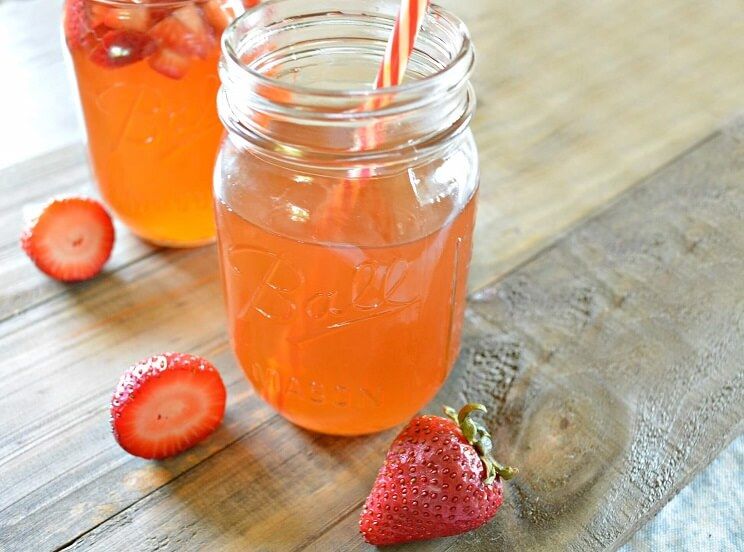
(457,68)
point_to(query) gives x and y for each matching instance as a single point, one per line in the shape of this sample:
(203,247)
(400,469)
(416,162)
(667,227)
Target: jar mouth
(297,83)
(274,16)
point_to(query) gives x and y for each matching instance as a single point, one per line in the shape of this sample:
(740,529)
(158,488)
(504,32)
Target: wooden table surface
(578,101)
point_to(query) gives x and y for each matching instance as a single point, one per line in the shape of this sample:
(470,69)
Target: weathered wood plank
(577,101)
(611,364)
(57,458)
(281,484)
(614,359)
(25,186)
(38,109)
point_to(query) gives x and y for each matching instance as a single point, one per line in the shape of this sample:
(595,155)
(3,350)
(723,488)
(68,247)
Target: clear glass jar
(147,78)
(344,214)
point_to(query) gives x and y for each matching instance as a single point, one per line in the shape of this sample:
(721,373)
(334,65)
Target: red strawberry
(166,404)
(220,13)
(169,63)
(191,16)
(119,48)
(185,32)
(94,38)
(96,14)
(75,22)
(158,14)
(438,479)
(71,239)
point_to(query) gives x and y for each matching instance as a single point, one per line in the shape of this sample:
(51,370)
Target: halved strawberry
(186,32)
(71,239)
(120,47)
(75,22)
(166,404)
(169,63)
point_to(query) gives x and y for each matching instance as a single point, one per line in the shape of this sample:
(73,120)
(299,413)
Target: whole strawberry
(438,479)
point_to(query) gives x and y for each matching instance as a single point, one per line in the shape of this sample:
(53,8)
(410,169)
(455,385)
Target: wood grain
(611,364)
(26,186)
(577,101)
(38,110)
(614,359)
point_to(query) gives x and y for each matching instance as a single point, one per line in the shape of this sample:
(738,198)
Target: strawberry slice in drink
(220,13)
(185,32)
(96,13)
(71,239)
(166,404)
(135,18)
(75,23)
(119,48)
(169,63)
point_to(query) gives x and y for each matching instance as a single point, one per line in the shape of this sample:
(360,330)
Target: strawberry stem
(478,436)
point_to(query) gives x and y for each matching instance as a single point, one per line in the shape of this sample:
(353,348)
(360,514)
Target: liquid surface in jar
(342,338)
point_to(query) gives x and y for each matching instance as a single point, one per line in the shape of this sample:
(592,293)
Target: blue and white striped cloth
(706,516)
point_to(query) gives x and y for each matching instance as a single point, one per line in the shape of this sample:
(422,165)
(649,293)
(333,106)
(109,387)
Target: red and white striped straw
(400,43)
(392,69)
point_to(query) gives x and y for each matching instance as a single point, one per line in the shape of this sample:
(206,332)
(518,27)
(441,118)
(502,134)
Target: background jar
(147,78)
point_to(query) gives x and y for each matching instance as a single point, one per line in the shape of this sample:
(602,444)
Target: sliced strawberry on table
(166,404)
(120,47)
(71,239)
(169,63)
(186,32)
(438,479)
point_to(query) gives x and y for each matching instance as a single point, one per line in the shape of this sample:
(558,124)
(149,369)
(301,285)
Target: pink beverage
(147,77)
(344,259)
(339,337)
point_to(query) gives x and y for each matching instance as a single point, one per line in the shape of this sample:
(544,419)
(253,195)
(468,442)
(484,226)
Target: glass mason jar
(147,78)
(344,214)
